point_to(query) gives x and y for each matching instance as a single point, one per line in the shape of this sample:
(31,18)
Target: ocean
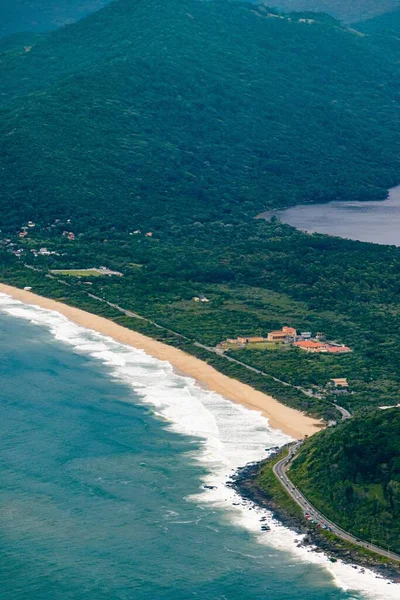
(105,453)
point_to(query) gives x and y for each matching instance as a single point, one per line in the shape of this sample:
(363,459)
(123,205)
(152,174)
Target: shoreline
(245,483)
(289,420)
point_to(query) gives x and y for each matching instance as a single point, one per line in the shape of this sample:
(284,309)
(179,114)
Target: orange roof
(291,330)
(338,349)
(342,381)
(309,344)
(280,332)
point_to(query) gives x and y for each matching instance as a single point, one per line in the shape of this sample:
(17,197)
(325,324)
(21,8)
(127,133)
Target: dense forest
(182,108)
(43,15)
(352,474)
(384,31)
(183,120)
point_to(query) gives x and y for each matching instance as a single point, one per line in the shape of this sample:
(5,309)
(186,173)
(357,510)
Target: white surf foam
(231,436)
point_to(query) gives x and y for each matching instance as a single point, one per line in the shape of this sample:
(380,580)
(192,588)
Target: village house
(250,340)
(306,335)
(338,349)
(310,346)
(282,335)
(339,385)
(69,235)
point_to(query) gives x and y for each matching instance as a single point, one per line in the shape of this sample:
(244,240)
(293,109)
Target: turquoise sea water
(103,498)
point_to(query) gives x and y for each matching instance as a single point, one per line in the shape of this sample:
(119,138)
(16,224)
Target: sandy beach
(290,421)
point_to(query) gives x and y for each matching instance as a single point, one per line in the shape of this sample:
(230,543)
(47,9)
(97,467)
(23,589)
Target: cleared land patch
(78,272)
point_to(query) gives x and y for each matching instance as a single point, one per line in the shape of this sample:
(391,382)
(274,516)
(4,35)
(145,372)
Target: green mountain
(352,474)
(345,10)
(183,120)
(194,108)
(42,15)
(384,31)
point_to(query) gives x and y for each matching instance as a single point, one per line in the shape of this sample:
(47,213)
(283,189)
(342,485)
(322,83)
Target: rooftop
(310,344)
(340,381)
(338,349)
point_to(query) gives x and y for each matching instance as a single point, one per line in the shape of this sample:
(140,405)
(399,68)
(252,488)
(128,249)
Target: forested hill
(42,15)
(199,109)
(147,136)
(349,11)
(352,474)
(384,31)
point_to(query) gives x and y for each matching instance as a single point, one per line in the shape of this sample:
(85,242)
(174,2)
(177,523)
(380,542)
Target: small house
(341,382)
(282,335)
(310,346)
(338,386)
(338,349)
(250,340)
(306,335)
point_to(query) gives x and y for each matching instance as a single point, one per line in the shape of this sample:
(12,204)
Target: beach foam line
(230,436)
(291,421)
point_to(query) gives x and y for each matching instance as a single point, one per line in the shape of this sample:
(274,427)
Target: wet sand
(290,421)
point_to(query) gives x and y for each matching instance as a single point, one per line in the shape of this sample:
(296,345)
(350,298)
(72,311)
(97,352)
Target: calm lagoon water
(377,222)
(104,454)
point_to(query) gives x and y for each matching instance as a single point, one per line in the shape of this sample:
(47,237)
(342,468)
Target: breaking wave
(230,436)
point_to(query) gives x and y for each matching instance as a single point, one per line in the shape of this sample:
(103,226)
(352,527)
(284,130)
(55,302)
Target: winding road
(280,472)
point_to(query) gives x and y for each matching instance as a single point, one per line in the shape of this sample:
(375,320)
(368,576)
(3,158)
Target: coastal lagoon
(105,455)
(377,222)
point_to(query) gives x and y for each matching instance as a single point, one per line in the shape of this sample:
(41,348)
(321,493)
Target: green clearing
(271,346)
(77,272)
(268,346)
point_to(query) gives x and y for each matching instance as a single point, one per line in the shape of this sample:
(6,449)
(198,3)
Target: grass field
(261,346)
(78,272)
(268,346)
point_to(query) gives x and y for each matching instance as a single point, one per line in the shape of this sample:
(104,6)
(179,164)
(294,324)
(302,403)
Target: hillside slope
(352,474)
(182,120)
(349,11)
(149,108)
(42,15)
(384,31)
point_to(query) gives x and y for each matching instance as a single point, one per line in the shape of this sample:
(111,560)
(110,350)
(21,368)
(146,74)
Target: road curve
(279,470)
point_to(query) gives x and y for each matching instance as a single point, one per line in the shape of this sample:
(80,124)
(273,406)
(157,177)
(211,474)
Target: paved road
(345,413)
(279,470)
